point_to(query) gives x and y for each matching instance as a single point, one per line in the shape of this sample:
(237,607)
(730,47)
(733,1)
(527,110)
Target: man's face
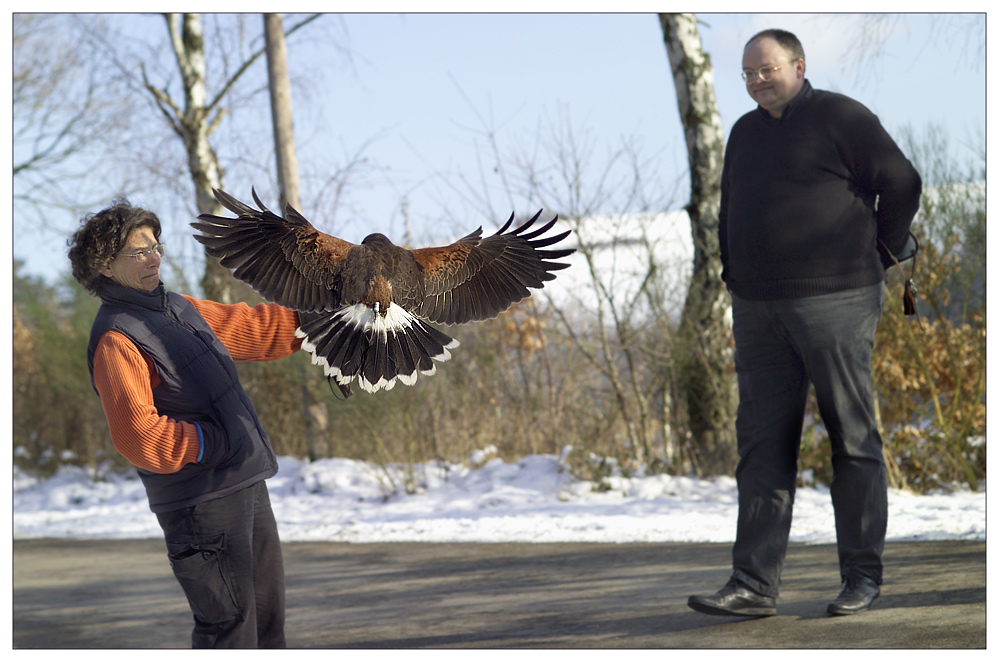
(785,83)
(142,272)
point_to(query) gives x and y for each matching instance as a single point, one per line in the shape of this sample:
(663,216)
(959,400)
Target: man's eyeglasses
(766,74)
(143,255)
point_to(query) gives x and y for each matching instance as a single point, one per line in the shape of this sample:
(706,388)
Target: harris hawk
(364,309)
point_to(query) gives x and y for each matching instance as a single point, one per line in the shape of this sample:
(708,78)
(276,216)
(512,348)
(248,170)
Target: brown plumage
(364,308)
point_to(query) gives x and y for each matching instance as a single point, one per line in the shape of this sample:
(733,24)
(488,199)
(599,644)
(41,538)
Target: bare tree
(869,36)
(707,378)
(64,111)
(314,413)
(195,120)
(281,115)
(615,315)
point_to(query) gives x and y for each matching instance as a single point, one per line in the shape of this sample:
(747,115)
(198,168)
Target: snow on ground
(530,500)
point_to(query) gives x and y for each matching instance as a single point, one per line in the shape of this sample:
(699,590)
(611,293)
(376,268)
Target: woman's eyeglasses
(143,255)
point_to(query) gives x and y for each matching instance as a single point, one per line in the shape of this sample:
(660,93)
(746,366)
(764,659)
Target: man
(814,195)
(163,366)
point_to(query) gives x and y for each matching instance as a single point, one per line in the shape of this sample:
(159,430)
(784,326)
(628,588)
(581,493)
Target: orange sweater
(125,379)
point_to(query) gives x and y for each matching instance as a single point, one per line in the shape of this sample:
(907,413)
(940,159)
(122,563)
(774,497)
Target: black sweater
(806,196)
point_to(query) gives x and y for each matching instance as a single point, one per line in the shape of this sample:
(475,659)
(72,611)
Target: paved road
(120,594)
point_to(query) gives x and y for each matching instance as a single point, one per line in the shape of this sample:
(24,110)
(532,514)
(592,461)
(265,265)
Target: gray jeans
(227,557)
(780,347)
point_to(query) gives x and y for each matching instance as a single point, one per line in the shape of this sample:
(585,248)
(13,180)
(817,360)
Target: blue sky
(418,78)
(414,88)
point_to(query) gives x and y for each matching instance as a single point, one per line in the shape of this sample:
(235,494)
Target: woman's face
(134,268)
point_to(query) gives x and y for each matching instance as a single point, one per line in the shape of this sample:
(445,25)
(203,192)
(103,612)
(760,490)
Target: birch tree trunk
(196,121)
(708,372)
(194,124)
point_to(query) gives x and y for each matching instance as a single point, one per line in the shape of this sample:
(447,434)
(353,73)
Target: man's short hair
(786,39)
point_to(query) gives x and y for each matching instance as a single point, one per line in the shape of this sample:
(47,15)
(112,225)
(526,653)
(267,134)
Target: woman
(163,366)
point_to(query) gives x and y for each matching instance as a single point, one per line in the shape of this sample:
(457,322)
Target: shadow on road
(121,594)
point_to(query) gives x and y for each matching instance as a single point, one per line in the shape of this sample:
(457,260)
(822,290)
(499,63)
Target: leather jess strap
(911,291)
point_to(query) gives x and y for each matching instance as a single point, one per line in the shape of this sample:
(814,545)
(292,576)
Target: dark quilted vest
(198,383)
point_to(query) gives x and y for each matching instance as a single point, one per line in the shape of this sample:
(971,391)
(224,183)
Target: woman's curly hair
(101,235)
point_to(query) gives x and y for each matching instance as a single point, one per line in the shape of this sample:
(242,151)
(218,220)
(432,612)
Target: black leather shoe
(734,600)
(857,595)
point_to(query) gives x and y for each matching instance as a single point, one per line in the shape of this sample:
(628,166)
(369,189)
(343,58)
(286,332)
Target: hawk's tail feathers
(355,341)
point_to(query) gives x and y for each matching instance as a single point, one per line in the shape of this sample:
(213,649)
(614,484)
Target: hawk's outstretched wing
(286,260)
(477,279)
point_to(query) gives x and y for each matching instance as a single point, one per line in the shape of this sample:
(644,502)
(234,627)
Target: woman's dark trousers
(780,347)
(227,557)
